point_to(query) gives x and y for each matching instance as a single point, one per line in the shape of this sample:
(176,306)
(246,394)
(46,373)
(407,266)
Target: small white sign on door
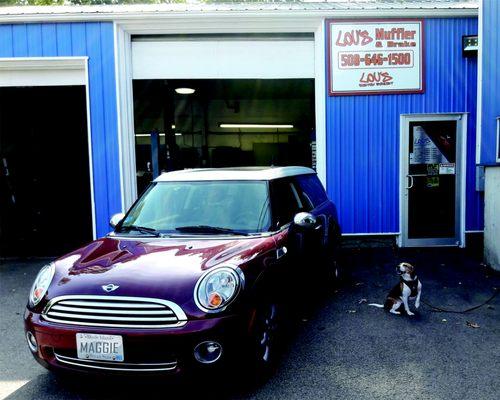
(447,169)
(424,149)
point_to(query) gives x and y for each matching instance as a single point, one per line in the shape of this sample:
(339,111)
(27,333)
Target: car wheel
(264,338)
(335,270)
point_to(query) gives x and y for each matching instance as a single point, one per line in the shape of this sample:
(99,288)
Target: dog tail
(376,305)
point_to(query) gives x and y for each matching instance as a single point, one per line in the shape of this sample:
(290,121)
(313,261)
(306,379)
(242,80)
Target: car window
(311,191)
(307,203)
(286,201)
(235,205)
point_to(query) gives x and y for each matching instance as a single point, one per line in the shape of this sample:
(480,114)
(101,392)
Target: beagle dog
(409,287)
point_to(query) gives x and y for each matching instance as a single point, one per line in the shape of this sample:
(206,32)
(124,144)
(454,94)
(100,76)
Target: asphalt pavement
(340,349)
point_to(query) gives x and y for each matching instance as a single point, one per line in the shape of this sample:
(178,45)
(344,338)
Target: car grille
(115,366)
(114,311)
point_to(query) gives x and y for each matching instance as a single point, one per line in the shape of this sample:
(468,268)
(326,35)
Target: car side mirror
(305,220)
(116,219)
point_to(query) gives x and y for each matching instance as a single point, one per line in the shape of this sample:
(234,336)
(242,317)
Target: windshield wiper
(142,229)
(209,229)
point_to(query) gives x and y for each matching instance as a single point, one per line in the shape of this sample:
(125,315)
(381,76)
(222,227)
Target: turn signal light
(215,299)
(38,293)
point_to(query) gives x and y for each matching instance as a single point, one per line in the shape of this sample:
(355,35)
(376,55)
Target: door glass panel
(432,179)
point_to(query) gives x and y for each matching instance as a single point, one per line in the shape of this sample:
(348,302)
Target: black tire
(264,339)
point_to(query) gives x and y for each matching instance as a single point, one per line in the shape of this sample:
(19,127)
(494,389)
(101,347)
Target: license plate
(91,346)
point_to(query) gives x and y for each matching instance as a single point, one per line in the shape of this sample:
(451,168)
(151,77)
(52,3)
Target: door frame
(192,24)
(460,173)
(48,72)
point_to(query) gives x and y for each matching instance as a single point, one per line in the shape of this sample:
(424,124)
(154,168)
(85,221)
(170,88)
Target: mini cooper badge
(110,287)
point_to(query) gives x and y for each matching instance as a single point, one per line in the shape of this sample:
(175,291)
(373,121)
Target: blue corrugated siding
(363,134)
(94,40)
(490,93)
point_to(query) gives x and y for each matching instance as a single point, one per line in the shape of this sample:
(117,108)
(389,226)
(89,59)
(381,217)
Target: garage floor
(343,349)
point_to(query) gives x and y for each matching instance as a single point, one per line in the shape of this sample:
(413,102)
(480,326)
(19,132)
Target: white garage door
(217,58)
(43,71)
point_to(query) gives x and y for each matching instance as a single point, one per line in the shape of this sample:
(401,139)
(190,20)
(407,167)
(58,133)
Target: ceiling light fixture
(178,134)
(184,90)
(257,126)
(146,134)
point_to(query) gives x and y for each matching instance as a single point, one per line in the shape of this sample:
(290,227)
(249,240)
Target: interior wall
(193,122)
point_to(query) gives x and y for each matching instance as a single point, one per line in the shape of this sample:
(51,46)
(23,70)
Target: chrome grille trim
(114,312)
(58,307)
(107,317)
(106,305)
(115,366)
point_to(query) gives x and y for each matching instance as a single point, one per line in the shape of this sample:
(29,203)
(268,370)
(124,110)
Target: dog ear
(410,269)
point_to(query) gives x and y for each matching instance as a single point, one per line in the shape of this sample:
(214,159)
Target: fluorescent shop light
(257,126)
(184,90)
(178,134)
(146,134)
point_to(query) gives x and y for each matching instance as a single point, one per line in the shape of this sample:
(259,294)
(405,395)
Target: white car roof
(233,174)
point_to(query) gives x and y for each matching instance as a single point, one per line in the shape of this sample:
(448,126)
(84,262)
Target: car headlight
(41,284)
(217,288)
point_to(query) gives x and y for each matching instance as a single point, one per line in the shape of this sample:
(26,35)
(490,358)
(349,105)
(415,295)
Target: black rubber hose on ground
(438,309)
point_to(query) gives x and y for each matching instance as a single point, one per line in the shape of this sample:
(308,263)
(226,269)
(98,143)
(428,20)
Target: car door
(316,202)
(303,246)
(285,202)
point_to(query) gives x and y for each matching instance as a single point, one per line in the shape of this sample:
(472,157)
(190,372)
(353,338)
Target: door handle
(411,176)
(411,182)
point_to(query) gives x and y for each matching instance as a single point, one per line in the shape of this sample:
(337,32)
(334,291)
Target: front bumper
(146,351)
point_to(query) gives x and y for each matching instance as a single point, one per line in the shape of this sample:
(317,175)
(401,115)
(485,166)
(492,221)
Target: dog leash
(438,309)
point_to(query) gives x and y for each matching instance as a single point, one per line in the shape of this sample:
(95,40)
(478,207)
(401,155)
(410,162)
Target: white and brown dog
(409,287)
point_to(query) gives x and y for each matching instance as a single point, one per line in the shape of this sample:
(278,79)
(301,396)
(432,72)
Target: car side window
(311,190)
(307,203)
(286,201)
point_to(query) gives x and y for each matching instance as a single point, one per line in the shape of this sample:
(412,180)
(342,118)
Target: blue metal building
(489,125)
(490,83)
(363,134)
(94,40)
(358,137)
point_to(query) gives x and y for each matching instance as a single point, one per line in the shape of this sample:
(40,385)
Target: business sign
(375,56)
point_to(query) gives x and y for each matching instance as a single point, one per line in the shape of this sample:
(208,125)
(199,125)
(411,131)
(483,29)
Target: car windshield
(214,207)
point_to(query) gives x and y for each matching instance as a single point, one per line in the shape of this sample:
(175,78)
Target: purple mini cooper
(193,274)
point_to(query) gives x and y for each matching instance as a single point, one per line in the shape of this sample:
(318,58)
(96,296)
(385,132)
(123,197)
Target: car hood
(158,268)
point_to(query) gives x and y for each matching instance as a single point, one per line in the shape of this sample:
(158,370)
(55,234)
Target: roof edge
(150,12)
(233,174)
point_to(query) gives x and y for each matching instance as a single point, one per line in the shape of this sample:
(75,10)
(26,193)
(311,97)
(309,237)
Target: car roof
(233,174)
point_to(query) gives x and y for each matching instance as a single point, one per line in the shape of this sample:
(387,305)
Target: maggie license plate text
(91,346)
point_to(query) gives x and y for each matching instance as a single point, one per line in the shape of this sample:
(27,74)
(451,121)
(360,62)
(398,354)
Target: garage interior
(222,123)
(45,198)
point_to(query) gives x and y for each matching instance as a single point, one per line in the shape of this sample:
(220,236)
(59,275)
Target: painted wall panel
(96,41)
(490,101)
(363,134)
